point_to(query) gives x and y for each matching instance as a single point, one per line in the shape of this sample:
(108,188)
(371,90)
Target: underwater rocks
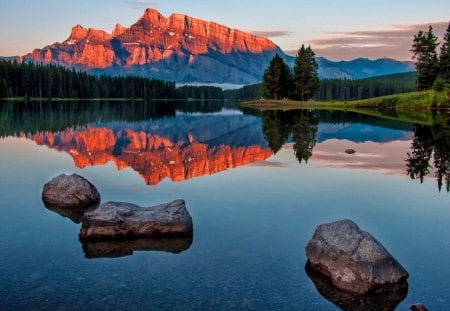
(352,259)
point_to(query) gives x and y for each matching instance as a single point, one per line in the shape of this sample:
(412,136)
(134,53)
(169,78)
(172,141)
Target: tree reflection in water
(301,125)
(430,142)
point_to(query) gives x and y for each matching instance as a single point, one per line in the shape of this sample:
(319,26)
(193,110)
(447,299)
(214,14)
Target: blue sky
(335,29)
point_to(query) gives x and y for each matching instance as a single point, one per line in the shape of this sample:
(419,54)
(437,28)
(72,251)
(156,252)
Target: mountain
(188,50)
(361,68)
(179,48)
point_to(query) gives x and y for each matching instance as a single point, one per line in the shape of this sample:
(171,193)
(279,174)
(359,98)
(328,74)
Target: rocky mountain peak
(178,48)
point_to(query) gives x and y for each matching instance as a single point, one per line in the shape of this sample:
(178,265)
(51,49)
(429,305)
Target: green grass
(413,107)
(424,100)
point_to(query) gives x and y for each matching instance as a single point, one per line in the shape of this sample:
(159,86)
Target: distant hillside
(343,89)
(361,68)
(346,89)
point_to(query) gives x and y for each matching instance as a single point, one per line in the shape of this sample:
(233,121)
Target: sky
(338,30)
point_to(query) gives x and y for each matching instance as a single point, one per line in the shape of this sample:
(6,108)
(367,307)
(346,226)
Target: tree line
(199,92)
(347,89)
(342,89)
(34,80)
(433,70)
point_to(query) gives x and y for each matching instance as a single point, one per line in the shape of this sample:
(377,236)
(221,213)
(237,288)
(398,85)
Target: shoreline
(425,100)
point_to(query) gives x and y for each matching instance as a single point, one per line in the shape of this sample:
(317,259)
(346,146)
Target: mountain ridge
(184,49)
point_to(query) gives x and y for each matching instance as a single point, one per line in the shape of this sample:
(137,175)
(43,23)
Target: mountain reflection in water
(183,140)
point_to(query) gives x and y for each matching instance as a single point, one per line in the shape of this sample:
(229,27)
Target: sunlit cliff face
(152,156)
(151,39)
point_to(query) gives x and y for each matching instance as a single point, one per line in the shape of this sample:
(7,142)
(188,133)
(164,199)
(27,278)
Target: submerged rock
(113,249)
(350,151)
(70,191)
(386,298)
(353,259)
(418,307)
(117,220)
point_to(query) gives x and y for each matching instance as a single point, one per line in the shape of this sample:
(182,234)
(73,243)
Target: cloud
(271,33)
(139,4)
(394,42)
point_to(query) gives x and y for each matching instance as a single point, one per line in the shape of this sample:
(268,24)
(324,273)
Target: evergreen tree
(306,81)
(277,79)
(427,63)
(444,59)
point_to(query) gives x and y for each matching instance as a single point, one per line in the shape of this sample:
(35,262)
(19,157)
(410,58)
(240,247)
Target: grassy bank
(424,100)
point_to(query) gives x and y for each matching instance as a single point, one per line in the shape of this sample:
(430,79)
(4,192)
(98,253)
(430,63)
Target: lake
(257,184)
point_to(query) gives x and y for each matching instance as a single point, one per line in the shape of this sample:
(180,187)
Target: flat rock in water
(70,191)
(353,259)
(118,220)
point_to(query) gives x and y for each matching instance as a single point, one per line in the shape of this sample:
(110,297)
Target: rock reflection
(74,214)
(384,299)
(122,248)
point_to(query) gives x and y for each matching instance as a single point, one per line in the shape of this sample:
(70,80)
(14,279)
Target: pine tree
(306,81)
(427,63)
(444,59)
(277,79)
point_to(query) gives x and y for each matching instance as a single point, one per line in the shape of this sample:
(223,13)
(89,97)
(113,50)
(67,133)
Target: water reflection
(150,138)
(431,144)
(114,249)
(74,214)
(301,125)
(384,299)
(429,152)
(182,140)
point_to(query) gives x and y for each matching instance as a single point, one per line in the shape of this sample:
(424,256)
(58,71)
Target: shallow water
(253,211)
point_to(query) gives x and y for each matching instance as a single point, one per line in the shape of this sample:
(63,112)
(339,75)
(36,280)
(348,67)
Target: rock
(70,191)
(121,248)
(117,220)
(385,298)
(350,151)
(418,307)
(353,259)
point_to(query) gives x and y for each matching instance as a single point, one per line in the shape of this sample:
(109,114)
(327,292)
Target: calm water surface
(256,185)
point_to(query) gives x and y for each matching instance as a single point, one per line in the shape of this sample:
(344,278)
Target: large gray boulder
(353,259)
(70,191)
(117,220)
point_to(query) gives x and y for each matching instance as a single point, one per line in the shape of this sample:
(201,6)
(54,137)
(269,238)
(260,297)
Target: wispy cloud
(271,33)
(394,42)
(140,4)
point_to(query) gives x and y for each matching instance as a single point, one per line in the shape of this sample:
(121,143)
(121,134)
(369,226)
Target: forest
(343,89)
(31,80)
